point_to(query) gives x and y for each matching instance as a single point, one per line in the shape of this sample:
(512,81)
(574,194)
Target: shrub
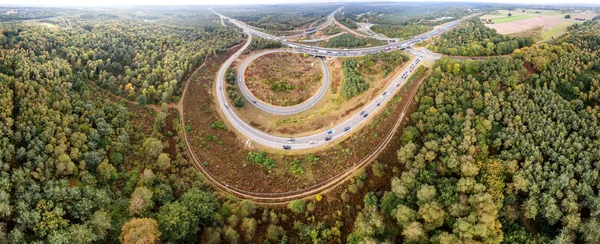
(297,206)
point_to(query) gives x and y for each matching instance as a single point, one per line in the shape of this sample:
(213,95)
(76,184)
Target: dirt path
(154,107)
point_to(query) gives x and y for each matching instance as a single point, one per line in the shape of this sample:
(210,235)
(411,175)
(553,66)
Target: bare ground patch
(284,79)
(585,15)
(545,22)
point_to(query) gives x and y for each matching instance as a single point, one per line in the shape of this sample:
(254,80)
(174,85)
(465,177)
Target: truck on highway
(321,51)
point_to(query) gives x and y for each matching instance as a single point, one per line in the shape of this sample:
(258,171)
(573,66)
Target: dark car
(347,128)
(327,138)
(362,112)
(364,116)
(286,147)
(378,104)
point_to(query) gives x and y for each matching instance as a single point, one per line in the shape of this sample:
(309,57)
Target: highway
(277,109)
(337,52)
(310,30)
(335,132)
(310,141)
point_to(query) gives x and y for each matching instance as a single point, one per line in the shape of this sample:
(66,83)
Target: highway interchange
(334,132)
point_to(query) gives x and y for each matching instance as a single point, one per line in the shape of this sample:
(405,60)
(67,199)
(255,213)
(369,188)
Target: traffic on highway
(337,131)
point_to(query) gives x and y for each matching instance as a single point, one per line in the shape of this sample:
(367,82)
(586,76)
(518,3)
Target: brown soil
(225,157)
(284,79)
(588,15)
(545,22)
(330,110)
(537,34)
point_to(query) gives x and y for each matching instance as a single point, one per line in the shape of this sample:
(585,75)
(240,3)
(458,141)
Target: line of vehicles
(327,137)
(362,113)
(289,143)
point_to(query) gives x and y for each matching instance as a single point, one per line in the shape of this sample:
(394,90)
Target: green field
(518,14)
(511,18)
(557,30)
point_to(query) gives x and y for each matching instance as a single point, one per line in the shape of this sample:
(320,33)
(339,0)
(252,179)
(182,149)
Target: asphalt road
(337,52)
(269,108)
(335,132)
(310,141)
(312,30)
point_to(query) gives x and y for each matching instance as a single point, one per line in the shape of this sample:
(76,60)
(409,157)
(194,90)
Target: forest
(497,153)
(473,38)
(278,18)
(132,59)
(82,163)
(355,70)
(503,149)
(78,167)
(349,41)
(401,31)
(402,20)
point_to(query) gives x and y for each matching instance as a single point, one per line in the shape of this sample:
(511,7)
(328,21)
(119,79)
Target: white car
(312,142)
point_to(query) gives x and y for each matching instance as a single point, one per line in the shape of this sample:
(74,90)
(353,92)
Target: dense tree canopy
(497,153)
(350,41)
(73,167)
(354,69)
(128,57)
(472,38)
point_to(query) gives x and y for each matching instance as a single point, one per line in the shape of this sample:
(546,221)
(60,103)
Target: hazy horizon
(78,3)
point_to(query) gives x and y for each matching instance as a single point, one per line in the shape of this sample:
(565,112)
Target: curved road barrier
(288,110)
(333,133)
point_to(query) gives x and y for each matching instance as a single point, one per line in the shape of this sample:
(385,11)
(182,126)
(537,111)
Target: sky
(240,2)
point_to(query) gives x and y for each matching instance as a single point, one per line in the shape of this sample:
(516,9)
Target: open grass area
(511,18)
(557,30)
(501,16)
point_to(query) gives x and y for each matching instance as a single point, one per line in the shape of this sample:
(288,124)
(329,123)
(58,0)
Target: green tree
(297,206)
(176,223)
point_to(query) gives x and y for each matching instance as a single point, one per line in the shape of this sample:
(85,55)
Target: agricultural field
(551,22)
(284,79)
(501,16)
